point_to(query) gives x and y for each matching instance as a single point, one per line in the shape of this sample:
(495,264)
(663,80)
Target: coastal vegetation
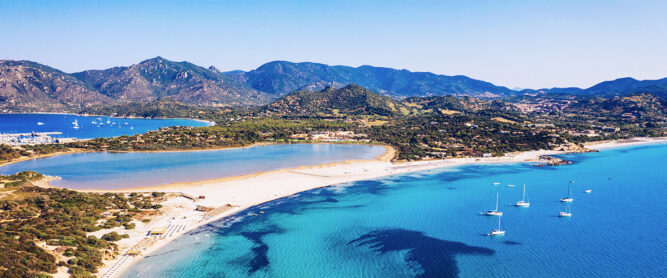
(20,178)
(418,127)
(9,153)
(42,229)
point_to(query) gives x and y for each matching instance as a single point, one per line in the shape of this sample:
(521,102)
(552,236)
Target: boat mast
(497,196)
(524,193)
(569,189)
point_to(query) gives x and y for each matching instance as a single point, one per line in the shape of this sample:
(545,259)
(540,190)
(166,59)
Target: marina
(33,138)
(53,128)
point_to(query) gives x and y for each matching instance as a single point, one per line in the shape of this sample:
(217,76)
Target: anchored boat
(523,203)
(567,212)
(495,212)
(499,231)
(569,198)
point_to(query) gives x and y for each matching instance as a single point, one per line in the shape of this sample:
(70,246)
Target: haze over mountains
(30,86)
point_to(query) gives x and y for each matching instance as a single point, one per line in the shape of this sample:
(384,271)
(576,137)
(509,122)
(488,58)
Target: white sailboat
(495,212)
(76,124)
(569,198)
(567,212)
(40,123)
(499,231)
(588,191)
(523,202)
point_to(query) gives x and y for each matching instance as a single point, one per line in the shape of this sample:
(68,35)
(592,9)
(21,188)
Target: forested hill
(354,100)
(281,77)
(349,100)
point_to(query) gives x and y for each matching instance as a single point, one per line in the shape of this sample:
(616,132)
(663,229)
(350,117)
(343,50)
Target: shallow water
(26,123)
(124,170)
(428,225)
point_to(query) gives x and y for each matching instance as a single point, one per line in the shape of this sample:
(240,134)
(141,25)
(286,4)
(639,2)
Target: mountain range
(30,86)
(619,87)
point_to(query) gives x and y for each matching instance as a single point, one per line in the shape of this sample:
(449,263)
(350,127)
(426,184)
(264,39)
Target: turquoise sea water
(124,170)
(428,225)
(103,126)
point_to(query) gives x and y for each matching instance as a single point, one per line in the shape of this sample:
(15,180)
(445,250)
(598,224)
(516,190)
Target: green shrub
(112,236)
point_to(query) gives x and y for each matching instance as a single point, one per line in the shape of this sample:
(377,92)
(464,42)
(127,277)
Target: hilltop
(29,86)
(158,79)
(349,100)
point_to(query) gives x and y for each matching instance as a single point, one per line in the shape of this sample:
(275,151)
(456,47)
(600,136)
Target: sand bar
(234,194)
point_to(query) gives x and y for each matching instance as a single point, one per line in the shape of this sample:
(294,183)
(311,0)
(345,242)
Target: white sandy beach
(179,215)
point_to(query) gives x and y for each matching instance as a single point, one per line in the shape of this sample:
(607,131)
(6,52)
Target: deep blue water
(104,170)
(428,225)
(26,123)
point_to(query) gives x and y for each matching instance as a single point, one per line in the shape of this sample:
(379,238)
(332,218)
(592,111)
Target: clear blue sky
(529,44)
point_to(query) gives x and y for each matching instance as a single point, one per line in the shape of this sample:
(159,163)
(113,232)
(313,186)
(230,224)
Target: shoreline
(231,190)
(77,150)
(210,123)
(386,157)
(245,191)
(620,143)
(251,190)
(39,156)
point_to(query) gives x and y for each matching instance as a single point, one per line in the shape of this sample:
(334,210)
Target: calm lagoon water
(428,225)
(103,126)
(124,170)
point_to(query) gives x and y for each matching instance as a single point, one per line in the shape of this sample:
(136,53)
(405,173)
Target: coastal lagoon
(103,170)
(428,224)
(88,126)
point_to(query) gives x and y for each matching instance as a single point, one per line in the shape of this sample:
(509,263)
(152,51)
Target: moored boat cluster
(524,203)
